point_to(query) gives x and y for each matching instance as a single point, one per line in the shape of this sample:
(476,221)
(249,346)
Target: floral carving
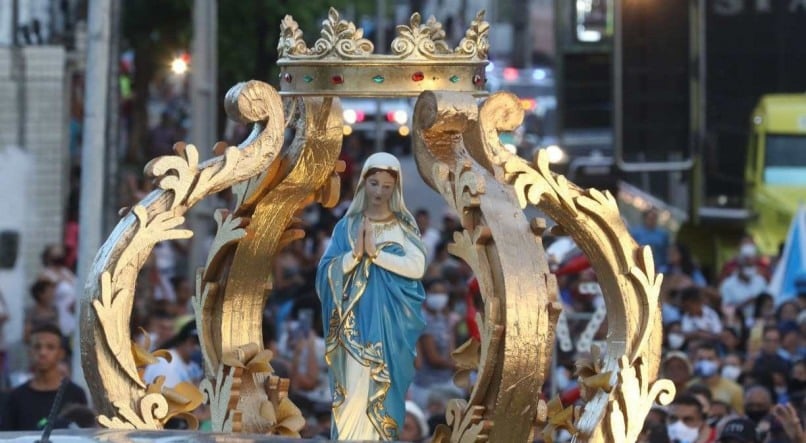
(342,37)
(476,43)
(291,42)
(420,39)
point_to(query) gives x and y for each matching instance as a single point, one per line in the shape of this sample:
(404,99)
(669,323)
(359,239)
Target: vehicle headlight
(400,117)
(350,116)
(555,154)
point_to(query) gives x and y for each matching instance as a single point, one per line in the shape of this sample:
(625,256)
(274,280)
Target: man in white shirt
(740,289)
(181,368)
(699,322)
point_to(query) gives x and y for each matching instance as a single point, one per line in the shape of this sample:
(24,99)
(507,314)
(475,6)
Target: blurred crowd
(733,350)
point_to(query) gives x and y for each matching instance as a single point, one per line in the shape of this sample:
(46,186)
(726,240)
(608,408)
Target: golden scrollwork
(108,359)
(475,43)
(625,272)
(424,39)
(458,149)
(516,336)
(291,41)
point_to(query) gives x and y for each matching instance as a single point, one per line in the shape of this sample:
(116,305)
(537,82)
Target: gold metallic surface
(232,290)
(419,49)
(458,153)
(519,295)
(119,394)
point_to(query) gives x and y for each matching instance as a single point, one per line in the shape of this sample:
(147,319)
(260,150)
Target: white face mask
(436,302)
(731,372)
(676,340)
(748,250)
(679,432)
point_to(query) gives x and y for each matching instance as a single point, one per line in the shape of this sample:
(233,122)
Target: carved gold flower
(286,420)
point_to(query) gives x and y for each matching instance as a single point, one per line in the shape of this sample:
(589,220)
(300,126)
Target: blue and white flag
(793,260)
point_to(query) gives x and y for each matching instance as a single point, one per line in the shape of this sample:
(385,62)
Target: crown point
(418,76)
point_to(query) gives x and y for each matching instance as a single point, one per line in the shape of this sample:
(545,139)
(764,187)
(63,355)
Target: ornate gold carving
(465,424)
(475,43)
(516,332)
(341,37)
(626,275)
(342,62)
(425,40)
(291,41)
(108,357)
(458,149)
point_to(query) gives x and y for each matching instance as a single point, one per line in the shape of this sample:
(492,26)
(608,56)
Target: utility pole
(93,151)
(203,114)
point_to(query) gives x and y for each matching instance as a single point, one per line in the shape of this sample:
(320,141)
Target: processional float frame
(458,153)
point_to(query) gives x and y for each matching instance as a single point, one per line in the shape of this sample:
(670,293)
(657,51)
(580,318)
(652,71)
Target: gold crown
(342,63)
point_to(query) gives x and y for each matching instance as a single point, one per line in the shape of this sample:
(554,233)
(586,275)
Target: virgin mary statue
(369,283)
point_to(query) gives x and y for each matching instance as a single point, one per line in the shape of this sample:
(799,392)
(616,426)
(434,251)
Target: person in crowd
(748,252)
(435,345)
(687,421)
(680,262)
(787,415)
(42,312)
(430,235)
(792,348)
(707,370)
(740,289)
(731,367)
(29,405)
(757,403)
(738,430)
(415,428)
(677,368)
(650,234)
(182,346)
(64,281)
(368,281)
(163,136)
(699,322)
(719,411)
(769,359)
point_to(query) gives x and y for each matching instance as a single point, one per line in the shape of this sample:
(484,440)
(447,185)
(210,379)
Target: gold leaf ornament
(286,420)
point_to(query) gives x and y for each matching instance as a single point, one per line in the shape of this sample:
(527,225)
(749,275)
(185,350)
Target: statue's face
(379,188)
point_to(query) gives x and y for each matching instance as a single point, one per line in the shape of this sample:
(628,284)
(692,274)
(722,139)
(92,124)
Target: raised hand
(358,252)
(369,238)
(787,415)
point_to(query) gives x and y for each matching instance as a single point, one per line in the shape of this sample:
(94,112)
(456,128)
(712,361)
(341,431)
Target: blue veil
(371,314)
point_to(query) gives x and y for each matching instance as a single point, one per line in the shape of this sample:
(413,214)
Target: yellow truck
(775,174)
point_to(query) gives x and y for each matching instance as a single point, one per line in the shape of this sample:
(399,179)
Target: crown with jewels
(342,62)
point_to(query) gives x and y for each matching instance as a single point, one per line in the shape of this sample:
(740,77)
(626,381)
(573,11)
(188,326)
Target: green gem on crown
(378,79)
(307,79)
(454,78)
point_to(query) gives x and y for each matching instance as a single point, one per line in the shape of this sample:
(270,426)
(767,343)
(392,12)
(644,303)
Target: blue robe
(373,316)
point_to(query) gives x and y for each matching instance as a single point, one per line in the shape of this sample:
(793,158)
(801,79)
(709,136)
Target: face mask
(749,271)
(755,415)
(731,372)
(676,340)
(679,432)
(436,302)
(460,308)
(748,250)
(705,368)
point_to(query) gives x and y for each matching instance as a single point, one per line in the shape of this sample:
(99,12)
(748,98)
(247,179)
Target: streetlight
(179,65)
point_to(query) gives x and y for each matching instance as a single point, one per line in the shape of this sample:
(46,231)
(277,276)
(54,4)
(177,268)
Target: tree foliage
(248,31)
